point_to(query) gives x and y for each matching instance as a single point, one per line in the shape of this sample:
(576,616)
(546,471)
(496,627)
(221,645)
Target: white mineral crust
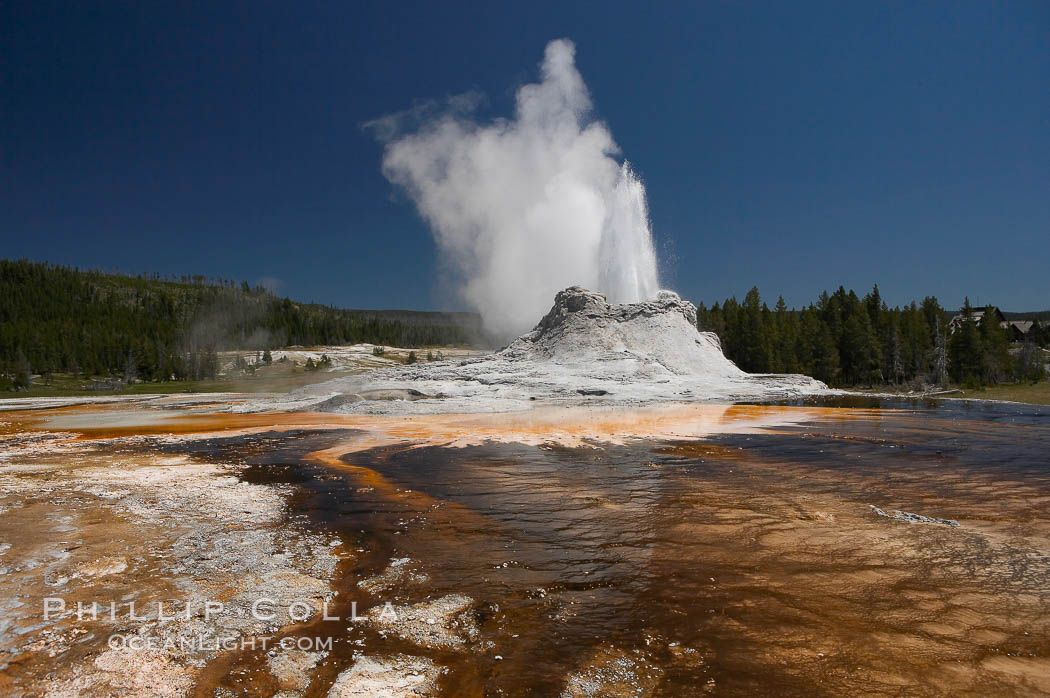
(584,351)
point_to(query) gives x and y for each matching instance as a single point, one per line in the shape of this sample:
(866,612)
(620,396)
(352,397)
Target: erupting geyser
(525,208)
(627,260)
(521,208)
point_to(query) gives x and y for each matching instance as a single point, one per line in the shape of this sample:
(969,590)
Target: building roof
(978,316)
(1025,326)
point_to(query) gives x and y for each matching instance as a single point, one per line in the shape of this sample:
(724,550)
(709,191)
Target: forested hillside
(846,340)
(57,319)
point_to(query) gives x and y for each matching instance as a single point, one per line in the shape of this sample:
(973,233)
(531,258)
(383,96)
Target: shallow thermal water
(740,564)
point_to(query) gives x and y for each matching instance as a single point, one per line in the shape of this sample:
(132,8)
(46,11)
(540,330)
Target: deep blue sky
(792,145)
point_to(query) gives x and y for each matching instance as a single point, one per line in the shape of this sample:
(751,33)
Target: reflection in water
(742,564)
(676,550)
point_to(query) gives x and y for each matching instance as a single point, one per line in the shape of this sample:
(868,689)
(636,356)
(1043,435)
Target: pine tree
(996,363)
(826,357)
(754,344)
(787,337)
(964,349)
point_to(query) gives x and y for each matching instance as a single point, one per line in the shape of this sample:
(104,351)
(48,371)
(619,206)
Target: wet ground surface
(737,564)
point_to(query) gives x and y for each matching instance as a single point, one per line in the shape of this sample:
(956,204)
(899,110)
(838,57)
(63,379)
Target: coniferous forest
(845,340)
(57,319)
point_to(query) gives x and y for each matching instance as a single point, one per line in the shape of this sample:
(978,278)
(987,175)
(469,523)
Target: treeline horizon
(57,319)
(849,341)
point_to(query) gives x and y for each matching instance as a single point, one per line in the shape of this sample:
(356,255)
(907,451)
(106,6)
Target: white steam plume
(525,207)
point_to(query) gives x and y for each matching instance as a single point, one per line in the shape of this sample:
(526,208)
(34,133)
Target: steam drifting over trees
(90,323)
